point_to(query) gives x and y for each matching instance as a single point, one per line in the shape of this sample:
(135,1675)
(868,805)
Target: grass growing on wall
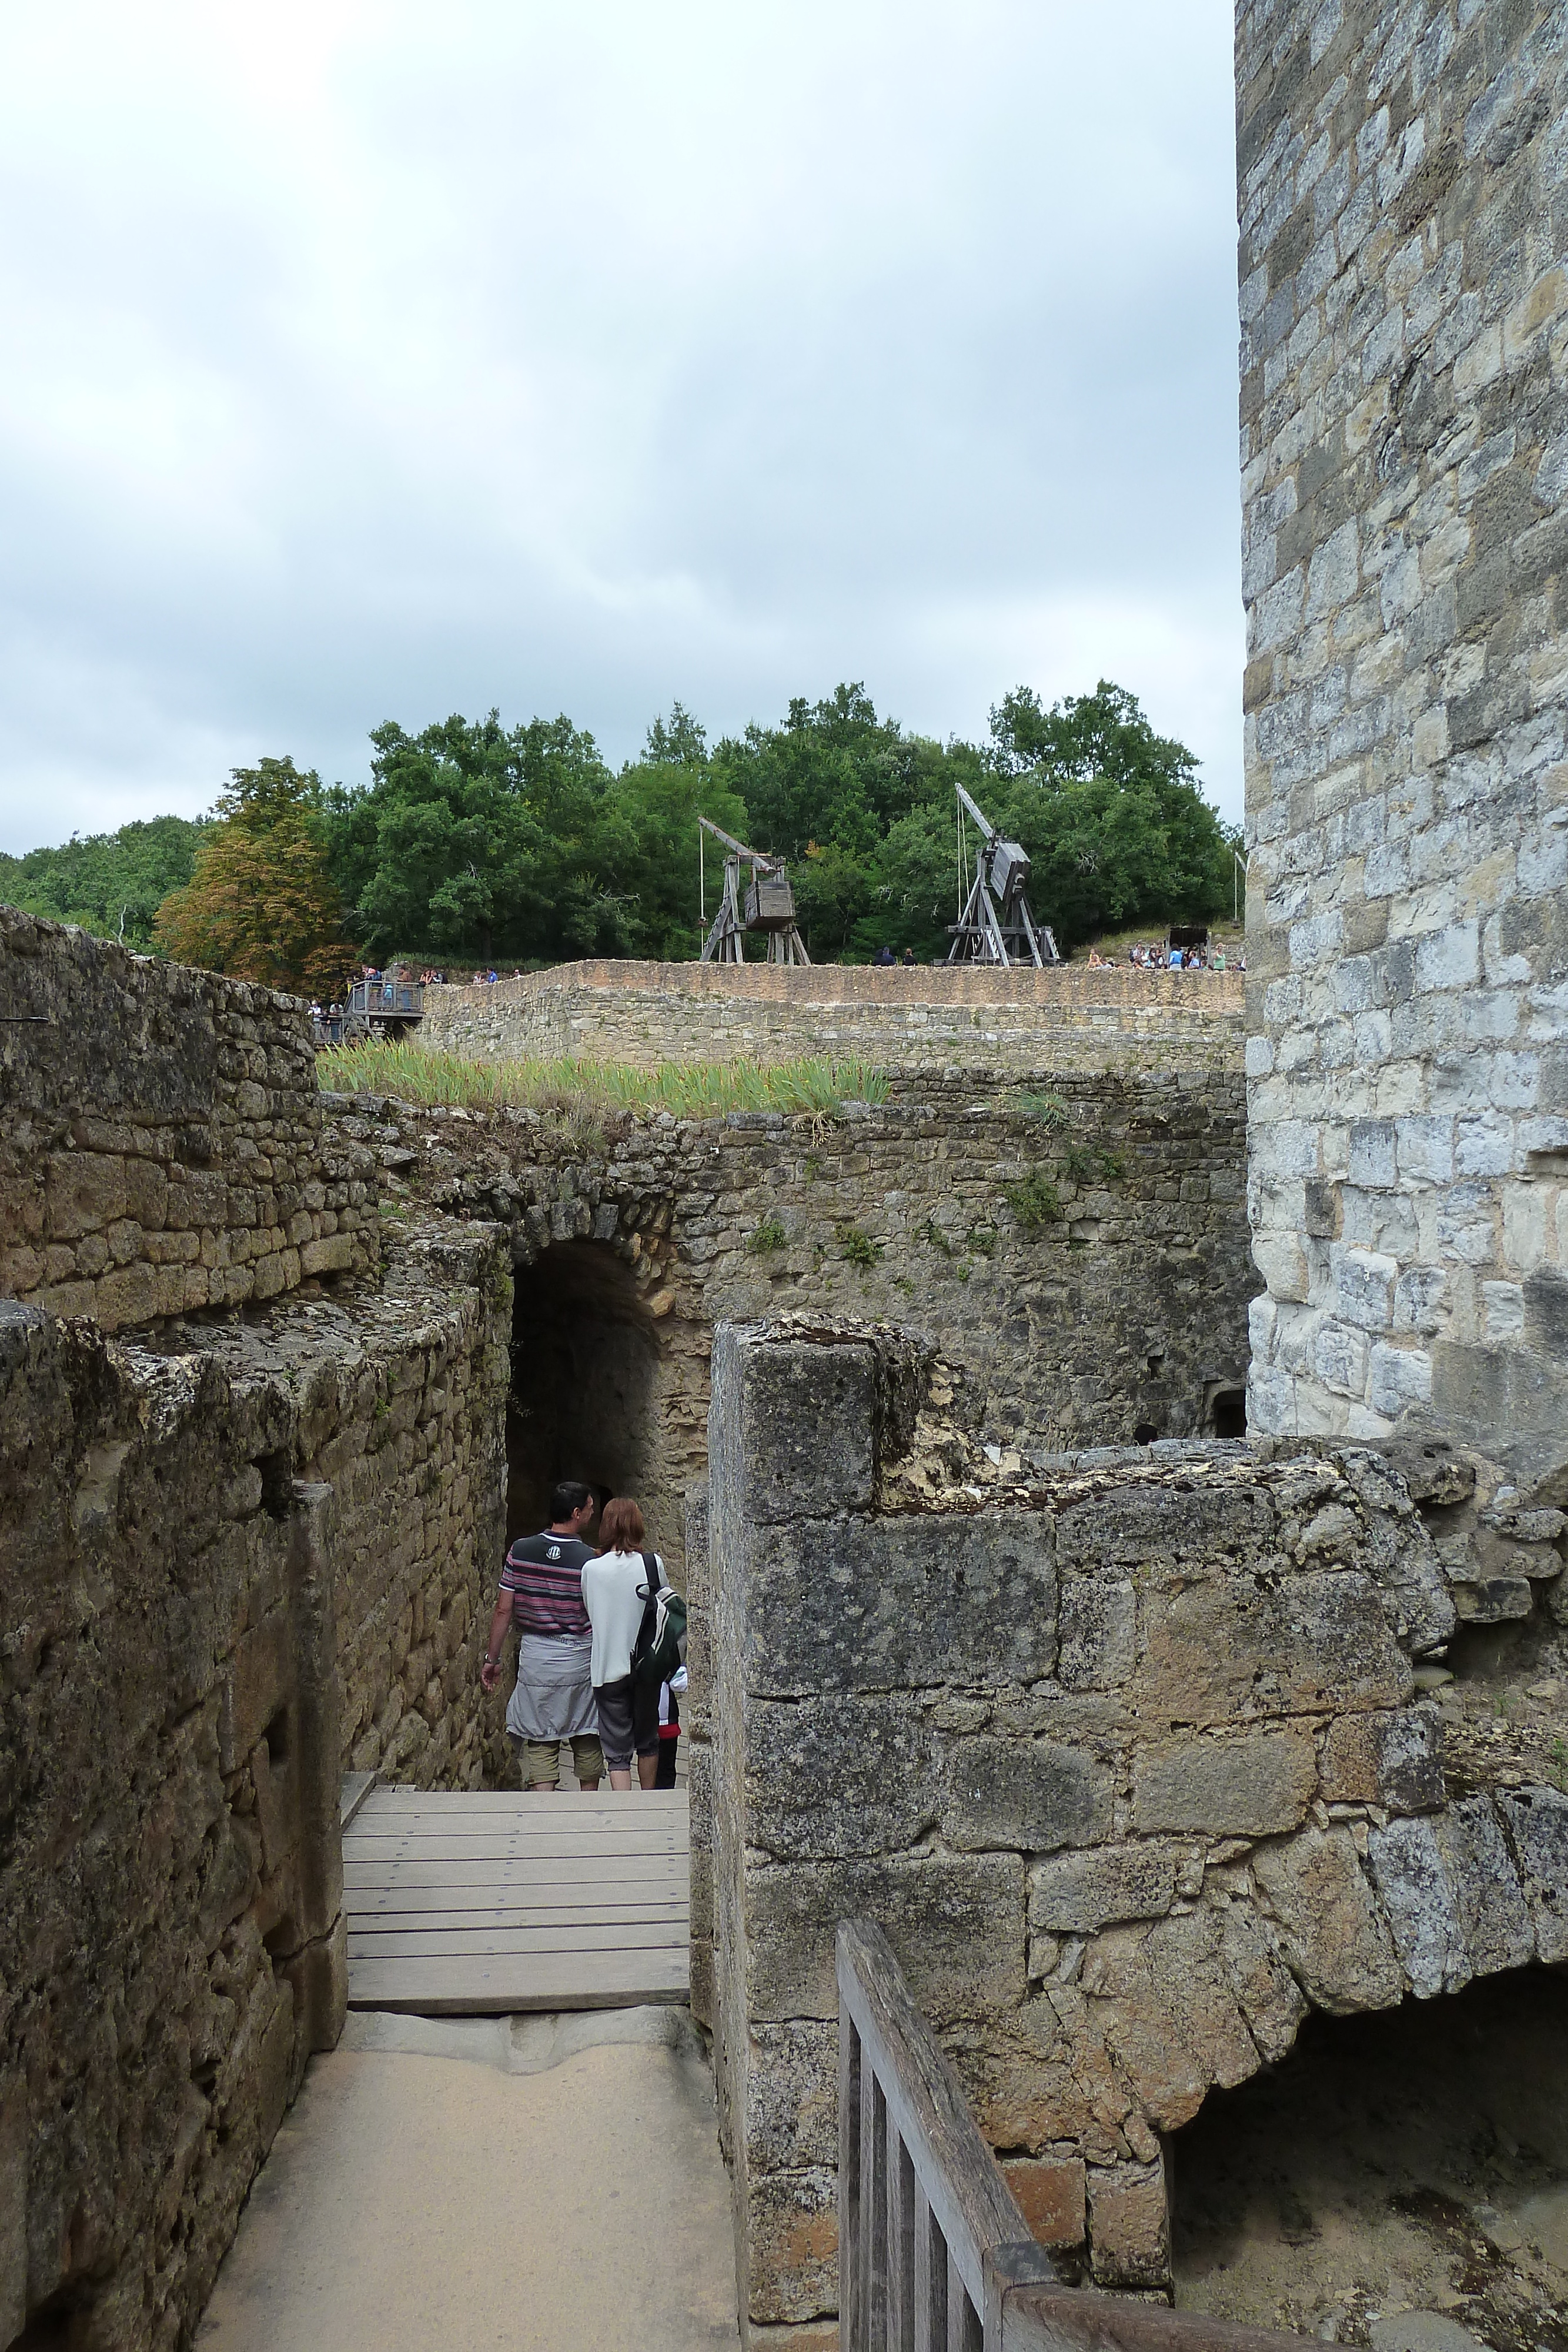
(417,1074)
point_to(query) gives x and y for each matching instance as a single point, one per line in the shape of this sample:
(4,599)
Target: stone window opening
(1398,2177)
(584,1401)
(276,1470)
(1225,1410)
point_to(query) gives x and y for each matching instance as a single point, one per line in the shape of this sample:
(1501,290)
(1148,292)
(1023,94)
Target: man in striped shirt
(541,1595)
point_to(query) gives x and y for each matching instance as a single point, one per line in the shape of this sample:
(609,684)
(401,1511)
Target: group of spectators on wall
(1158,957)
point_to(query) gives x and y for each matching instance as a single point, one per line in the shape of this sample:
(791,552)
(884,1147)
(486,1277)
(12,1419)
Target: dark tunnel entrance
(584,1400)
(1400,2179)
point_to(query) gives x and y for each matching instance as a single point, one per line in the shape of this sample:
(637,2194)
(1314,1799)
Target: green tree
(111,883)
(474,840)
(261,904)
(1111,813)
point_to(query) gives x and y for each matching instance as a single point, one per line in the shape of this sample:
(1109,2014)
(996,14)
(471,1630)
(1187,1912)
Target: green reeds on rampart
(417,1074)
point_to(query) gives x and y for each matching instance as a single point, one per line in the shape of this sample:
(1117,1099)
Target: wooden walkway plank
(433,1847)
(630,1805)
(574,1940)
(484,1902)
(538,1895)
(668,1917)
(626,1870)
(476,1987)
(476,1903)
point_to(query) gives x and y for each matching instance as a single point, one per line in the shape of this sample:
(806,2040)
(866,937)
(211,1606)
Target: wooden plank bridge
(466,1903)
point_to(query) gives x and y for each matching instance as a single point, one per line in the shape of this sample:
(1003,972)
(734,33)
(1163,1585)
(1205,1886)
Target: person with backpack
(638,1620)
(541,1595)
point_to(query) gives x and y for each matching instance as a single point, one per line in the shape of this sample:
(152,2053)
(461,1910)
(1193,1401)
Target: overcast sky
(371,361)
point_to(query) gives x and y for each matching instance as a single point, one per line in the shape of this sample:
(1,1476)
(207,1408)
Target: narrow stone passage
(542,2182)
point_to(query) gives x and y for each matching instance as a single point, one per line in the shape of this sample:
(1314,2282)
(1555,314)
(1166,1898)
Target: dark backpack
(656,1651)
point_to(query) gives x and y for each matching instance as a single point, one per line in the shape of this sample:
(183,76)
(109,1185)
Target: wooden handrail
(934,2252)
(930,2236)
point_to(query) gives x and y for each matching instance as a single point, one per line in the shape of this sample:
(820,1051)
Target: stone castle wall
(1125,1757)
(397,1401)
(1068,1017)
(1404,207)
(160,1141)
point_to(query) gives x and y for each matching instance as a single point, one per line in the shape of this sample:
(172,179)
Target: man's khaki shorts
(542,1759)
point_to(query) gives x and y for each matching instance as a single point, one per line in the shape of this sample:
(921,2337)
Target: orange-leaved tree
(261,904)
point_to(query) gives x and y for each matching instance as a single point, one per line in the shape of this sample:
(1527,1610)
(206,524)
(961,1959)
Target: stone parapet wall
(1405,367)
(1126,1757)
(1066,1017)
(161,1149)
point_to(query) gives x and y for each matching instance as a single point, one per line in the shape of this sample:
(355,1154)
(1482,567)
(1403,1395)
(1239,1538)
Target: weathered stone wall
(1403,167)
(160,1138)
(1128,1759)
(1068,1017)
(397,1401)
(233,1559)
(170,1934)
(1082,1263)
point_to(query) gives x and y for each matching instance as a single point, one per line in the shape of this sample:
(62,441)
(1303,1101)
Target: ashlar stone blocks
(1124,1753)
(1404,420)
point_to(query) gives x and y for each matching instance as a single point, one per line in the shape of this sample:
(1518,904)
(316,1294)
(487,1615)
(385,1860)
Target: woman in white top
(615,1589)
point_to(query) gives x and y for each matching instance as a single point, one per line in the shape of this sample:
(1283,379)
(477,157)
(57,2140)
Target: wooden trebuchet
(768,906)
(997,924)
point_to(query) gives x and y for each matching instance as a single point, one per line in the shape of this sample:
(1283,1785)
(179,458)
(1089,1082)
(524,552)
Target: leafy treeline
(111,883)
(475,843)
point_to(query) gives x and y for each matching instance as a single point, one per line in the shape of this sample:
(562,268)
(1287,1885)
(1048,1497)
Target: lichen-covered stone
(1074,1894)
(957,1922)
(1024,1793)
(1393,1759)
(1537,1822)
(869,1605)
(1452,1896)
(1225,1648)
(848,1774)
(1333,1931)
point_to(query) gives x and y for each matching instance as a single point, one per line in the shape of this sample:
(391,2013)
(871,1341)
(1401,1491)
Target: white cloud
(386,362)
